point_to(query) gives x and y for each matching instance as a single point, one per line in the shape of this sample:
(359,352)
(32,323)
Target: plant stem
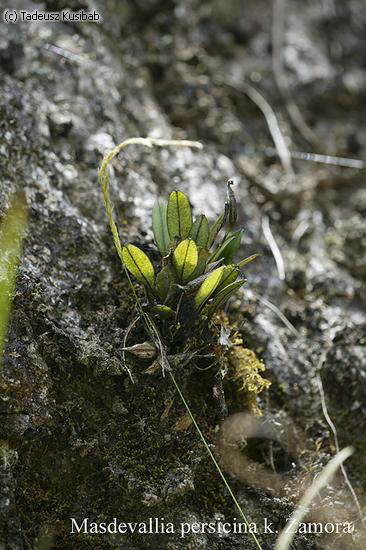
(213,458)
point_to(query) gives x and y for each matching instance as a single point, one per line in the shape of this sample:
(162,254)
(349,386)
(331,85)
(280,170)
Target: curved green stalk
(103,173)
(104,185)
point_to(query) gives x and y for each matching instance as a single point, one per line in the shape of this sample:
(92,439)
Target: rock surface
(77,438)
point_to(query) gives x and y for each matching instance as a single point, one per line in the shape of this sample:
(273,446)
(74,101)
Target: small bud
(232,210)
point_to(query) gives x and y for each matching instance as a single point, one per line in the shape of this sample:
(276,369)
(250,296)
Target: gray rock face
(77,438)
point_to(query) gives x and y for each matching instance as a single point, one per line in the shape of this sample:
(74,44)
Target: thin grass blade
(11,234)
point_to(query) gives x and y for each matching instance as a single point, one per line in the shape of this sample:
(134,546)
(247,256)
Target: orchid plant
(195,273)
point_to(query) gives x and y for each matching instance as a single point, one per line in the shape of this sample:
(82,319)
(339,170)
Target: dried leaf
(146,350)
(160,227)
(179,215)
(183,423)
(208,287)
(185,258)
(138,264)
(153,368)
(200,231)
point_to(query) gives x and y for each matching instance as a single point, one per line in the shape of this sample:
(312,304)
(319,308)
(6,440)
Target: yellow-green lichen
(246,373)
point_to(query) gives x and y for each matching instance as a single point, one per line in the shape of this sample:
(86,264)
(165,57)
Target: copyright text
(13,16)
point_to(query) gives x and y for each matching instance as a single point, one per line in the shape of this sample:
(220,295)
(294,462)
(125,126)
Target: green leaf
(230,274)
(185,258)
(247,260)
(203,255)
(138,264)
(160,227)
(164,280)
(179,215)
(208,287)
(164,311)
(223,296)
(215,229)
(228,249)
(200,231)
(233,248)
